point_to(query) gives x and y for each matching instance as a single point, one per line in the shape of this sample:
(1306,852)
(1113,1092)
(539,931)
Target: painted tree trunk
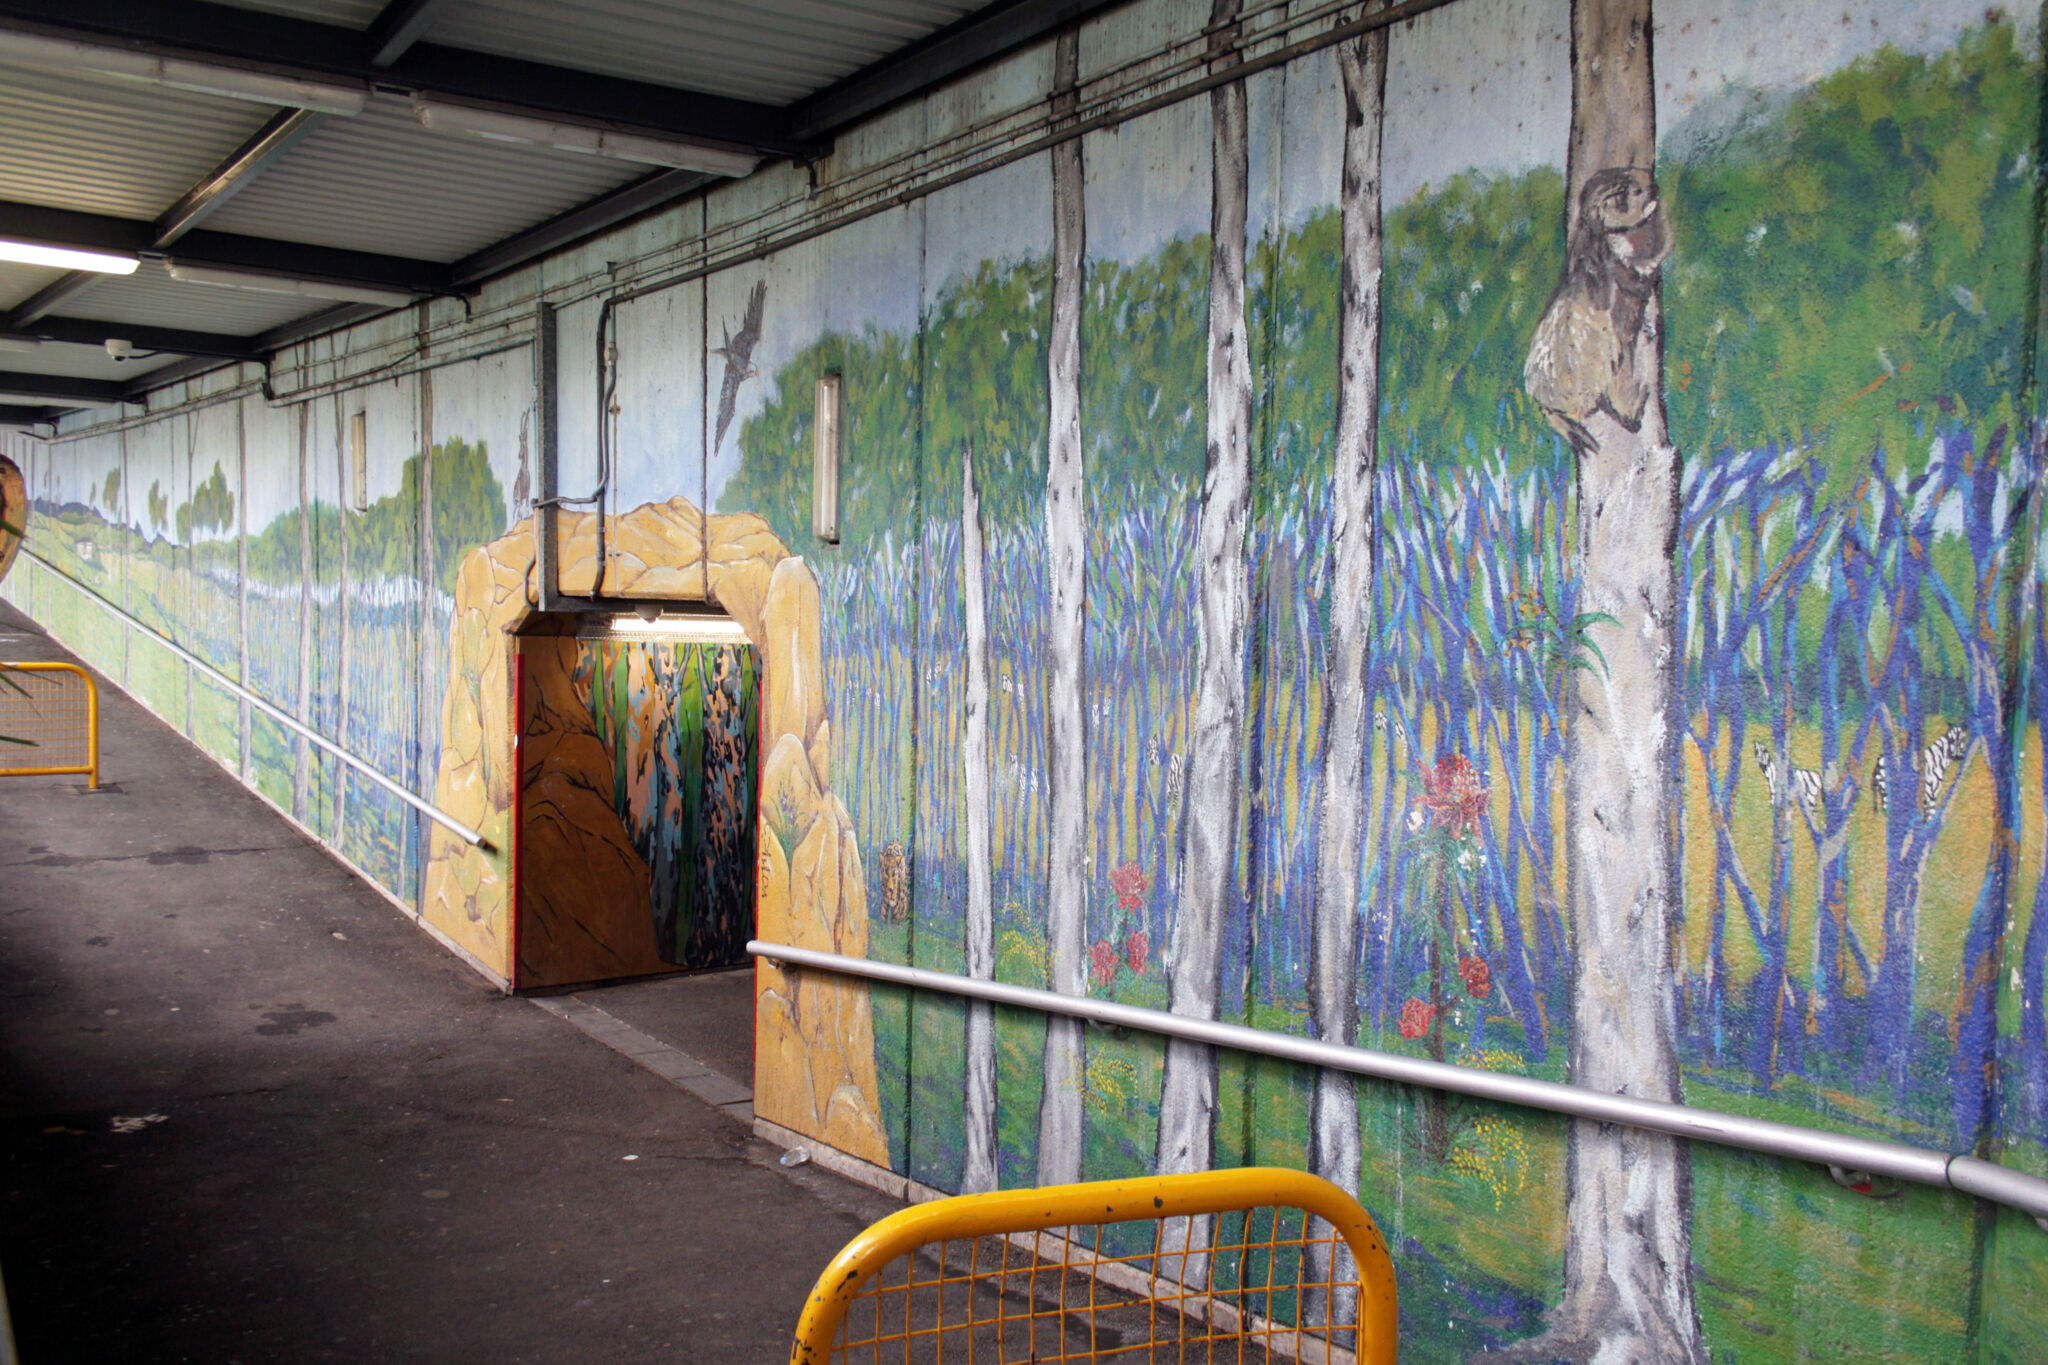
(341,735)
(1333,1145)
(302,770)
(424,683)
(241,585)
(1993,618)
(1060,1108)
(188,550)
(2033,1036)
(979,1173)
(1628,1293)
(1187,1098)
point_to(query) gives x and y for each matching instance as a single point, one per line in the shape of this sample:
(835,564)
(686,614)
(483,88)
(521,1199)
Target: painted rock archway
(13,512)
(814,1034)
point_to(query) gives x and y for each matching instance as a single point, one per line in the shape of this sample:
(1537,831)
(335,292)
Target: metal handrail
(1840,1151)
(361,765)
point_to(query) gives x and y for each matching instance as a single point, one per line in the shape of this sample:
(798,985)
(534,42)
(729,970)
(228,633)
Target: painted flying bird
(738,350)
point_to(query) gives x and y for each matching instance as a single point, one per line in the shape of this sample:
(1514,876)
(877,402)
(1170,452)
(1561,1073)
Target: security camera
(120,348)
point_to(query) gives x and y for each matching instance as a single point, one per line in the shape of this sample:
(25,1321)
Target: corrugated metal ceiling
(773,51)
(348,13)
(79,362)
(17,282)
(151,296)
(102,145)
(380,182)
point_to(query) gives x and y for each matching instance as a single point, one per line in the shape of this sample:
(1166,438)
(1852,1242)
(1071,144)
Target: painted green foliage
(1847,325)
(682,724)
(1846,269)
(384,539)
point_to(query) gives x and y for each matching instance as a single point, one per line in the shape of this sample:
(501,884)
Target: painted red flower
(1102,963)
(1453,797)
(1416,1017)
(1130,884)
(1477,976)
(1136,949)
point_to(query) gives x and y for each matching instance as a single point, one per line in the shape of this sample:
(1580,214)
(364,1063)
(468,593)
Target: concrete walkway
(249,1113)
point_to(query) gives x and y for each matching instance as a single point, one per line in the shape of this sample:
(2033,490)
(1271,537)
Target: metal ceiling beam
(138,389)
(299,260)
(177,340)
(49,298)
(62,387)
(251,159)
(302,261)
(586,220)
(274,44)
(968,42)
(317,324)
(401,24)
(21,415)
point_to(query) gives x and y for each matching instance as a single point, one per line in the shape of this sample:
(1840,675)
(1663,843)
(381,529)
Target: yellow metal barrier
(1246,1264)
(49,721)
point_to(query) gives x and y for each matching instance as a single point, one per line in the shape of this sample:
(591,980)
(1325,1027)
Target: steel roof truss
(274,44)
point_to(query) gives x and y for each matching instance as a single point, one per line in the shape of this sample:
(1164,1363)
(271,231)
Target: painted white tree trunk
(1628,1292)
(1066,545)
(241,581)
(302,767)
(1333,1144)
(1187,1099)
(341,734)
(979,1173)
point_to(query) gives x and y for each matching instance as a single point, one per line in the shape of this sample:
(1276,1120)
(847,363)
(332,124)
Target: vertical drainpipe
(545,512)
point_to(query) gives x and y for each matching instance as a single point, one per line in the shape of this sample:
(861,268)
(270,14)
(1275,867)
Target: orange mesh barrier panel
(1244,1265)
(49,721)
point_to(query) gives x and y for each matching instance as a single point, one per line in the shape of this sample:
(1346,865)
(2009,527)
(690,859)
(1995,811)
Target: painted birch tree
(302,764)
(979,1173)
(342,503)
(1595,366)
(1187,1100)
(1333,1145)
(1066,545)
(243,768)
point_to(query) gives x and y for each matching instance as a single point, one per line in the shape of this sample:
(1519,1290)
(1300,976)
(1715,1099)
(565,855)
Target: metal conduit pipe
(363,766)
(1895,1160)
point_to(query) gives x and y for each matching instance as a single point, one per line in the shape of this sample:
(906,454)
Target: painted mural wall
(1511,538)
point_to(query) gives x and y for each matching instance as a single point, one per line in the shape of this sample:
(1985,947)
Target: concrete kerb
(672,1064)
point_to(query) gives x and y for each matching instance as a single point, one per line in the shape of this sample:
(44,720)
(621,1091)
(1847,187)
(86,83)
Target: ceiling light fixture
(692,626)
(441,115)
(180,73)
(68,258)
(289,284)
(19,341)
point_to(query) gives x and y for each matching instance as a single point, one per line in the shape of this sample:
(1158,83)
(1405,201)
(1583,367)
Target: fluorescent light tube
(825,460)
(441,115)
(68,258)
(179,73)
(693,628)
(287,284)
(17,341)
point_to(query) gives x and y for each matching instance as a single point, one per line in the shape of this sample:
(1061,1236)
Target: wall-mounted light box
(825,461)
(359,460)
